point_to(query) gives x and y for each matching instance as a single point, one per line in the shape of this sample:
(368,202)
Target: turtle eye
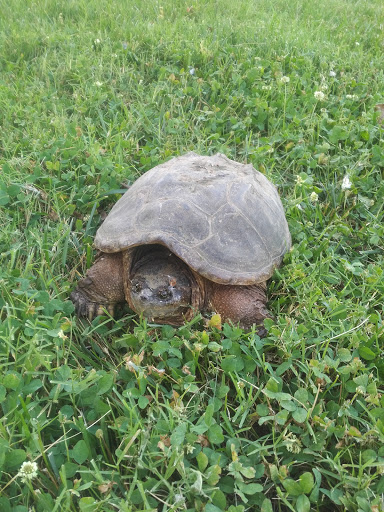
(164,294)
(137,287)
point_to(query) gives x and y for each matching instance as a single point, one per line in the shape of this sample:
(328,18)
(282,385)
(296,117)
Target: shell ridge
(250,223)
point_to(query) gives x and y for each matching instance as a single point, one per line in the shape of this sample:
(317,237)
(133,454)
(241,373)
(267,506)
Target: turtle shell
(223,218)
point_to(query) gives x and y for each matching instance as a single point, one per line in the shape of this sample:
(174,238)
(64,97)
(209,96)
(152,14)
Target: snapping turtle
(197,233)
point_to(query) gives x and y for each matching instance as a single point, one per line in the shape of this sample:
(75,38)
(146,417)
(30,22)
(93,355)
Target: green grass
(123,415)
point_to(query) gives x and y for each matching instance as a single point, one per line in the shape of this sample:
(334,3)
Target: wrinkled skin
(102,288)
(161,287)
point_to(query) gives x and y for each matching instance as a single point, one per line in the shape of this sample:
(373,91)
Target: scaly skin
(101,288)
(243,305)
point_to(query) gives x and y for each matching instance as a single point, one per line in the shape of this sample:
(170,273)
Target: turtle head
(160,287)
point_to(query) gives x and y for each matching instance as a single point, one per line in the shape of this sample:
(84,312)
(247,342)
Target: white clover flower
(189,448)
(266,87)
(292,443)
(319,95)
(27,472)
(314,197)
(192,71)
(62,335)
(98,84)
(347,184)
(324,87)
(332,73)
(97,41)
(293,447)
(351,96)
(299,180)
(357,43)
(285,79)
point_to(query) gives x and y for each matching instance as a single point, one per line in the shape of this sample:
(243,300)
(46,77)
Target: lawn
(123,415)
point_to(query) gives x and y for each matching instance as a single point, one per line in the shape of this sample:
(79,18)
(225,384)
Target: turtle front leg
(243,305)
(102,288)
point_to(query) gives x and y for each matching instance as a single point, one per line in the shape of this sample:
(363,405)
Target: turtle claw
(86,308)
(80,302)
(261,331)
